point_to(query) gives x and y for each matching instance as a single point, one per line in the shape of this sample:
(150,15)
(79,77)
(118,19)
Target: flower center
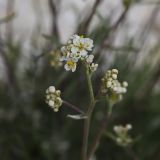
(70,63)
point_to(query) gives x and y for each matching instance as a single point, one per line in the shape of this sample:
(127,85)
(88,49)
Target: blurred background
(126,36)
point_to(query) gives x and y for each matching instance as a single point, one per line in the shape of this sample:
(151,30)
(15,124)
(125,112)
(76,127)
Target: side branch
(73,107)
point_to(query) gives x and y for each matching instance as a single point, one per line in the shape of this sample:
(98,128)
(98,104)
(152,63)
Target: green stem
(101,130)
(88,114)
(90,85)
(110,107)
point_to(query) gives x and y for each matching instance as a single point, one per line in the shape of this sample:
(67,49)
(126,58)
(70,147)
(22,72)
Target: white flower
(88,44)
(93,67)
(76,49)
(83,53)
(90,58)
(122,135)
(78,41)
(122,129)
(51,89)
(70,65)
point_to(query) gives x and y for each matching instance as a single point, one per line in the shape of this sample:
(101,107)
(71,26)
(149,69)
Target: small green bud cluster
(112,86)
(53,98)
(122,137)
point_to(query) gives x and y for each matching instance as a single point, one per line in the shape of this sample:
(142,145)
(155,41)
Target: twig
(9,26)
(10,73)
(143,36)
(54,15)
(111,30)
(100,133)
(73,107)
(87,22)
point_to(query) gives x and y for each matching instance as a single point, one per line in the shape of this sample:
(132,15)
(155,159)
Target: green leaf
(77,117)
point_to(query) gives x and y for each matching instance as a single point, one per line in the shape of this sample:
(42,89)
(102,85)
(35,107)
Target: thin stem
(100,133)
(73,107)
(85,138)
(131,153)
(89,115)
(53,9)
(11,79)
(109,34)
(9,25)
(86,24)
(90,85)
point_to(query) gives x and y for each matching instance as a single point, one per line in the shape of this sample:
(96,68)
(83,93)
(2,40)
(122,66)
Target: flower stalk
(88,114)
(101,131)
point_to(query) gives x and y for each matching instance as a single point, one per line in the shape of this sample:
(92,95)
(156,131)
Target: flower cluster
(55,56)
(122,137)
(78,48)
(53,98)
(112,86)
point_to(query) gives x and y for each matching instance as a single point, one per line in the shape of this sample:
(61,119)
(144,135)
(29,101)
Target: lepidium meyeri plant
(78,49)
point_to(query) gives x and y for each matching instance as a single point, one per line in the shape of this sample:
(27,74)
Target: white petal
(67,68)
(83,53)
(74,50)
(90,58)
(74,68)
(52,89)
(51,103)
